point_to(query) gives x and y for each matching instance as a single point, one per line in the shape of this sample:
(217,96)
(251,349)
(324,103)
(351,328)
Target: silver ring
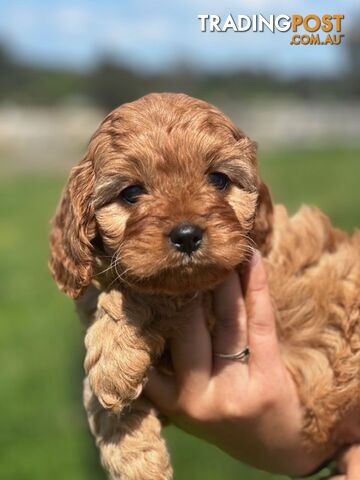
(242,356)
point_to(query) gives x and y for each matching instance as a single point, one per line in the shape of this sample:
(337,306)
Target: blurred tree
(111,83)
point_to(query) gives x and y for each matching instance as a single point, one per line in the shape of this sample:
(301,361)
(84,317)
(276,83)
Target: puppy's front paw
(116,390)
(116,362)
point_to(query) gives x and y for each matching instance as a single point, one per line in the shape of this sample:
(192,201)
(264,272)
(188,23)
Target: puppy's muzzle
(186,237)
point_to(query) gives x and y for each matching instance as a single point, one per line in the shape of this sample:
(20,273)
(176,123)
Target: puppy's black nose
(186,237)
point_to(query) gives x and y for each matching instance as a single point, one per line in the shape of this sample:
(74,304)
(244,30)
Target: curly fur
(133,288)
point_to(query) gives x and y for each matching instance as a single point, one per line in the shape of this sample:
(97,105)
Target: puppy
(165,203)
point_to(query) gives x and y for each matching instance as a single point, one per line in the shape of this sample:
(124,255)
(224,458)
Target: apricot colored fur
(133,289)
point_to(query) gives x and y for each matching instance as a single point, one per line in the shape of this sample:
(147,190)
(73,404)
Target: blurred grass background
(43,430)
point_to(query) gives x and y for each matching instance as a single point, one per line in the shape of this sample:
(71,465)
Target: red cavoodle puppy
(165,203)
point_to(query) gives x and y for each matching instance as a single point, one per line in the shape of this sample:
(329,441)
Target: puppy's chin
(180,281)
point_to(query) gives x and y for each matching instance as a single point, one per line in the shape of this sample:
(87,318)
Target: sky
(158,34)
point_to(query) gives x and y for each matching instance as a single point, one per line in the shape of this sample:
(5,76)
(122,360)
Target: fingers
(161,390)
(229,308)
(191,348)
(261,318)
(350,463)
(192,353)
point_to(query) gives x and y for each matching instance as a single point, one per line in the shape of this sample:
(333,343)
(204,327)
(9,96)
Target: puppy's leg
(130,444)
(118,353)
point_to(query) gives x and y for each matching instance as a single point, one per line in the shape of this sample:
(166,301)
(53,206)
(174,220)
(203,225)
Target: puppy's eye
(132,193)
(219,180)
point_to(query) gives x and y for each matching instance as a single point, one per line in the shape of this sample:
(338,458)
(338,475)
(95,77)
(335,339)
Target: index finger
(191,352)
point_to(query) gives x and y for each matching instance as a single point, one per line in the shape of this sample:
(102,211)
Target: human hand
(349,463)
(249,410)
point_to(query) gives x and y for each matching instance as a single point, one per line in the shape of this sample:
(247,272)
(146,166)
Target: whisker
(120,276)
(107,268)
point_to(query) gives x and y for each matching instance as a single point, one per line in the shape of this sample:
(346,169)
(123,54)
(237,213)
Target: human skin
(251,411)
(349,463)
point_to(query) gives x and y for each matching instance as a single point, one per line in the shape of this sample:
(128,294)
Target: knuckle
(261,285)
(197,413)
(262,328)
(201,415)
(190,407)
(268,403)
(267,399)
(195,408)
(229,407)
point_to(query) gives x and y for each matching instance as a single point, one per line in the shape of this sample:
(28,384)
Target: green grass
(43,432)
(326,178)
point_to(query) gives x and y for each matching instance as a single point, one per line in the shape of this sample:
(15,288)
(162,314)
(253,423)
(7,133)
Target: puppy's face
(174,194)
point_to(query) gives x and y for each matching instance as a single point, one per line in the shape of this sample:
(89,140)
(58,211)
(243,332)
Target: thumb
(229,334)
(262,336)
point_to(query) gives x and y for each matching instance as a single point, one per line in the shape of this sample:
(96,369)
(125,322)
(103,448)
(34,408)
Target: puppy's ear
(263,224)
(73,228)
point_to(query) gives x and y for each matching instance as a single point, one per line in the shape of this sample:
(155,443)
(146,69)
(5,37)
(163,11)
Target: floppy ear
(263,224)
(73,227)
